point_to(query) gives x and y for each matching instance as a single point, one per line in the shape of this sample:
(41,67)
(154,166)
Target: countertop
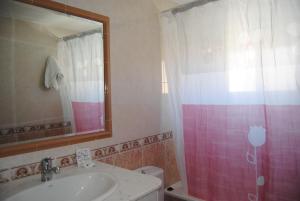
(131,185)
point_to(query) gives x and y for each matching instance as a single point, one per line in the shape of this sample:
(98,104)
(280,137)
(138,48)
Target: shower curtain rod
(82,34)
(187,6)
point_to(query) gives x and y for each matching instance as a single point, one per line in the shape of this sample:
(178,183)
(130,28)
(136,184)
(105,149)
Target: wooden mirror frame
(26,147)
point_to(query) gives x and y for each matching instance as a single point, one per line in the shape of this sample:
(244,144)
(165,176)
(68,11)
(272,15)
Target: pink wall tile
(153,154)
(130,159)
(157,150)
(109,160)
(171,169)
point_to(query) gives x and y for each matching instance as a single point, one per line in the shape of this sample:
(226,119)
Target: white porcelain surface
(103,182)
(84,187)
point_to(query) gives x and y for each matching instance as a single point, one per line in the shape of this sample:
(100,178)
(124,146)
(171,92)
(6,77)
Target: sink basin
(83,187)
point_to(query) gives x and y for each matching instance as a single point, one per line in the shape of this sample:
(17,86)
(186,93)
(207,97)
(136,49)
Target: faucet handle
(50,158)
(46,163)
(56,170)
(47,159)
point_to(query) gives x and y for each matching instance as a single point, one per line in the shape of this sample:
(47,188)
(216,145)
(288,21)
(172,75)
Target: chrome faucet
(47,169)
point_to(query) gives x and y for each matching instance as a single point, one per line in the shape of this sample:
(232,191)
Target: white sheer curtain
(81,59)
(228,53)
(172,55)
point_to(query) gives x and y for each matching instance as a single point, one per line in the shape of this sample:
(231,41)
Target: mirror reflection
(51,74)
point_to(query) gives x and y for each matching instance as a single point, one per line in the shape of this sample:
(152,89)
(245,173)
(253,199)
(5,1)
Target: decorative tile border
(126,146)
(99,154)
(66,161)
(31,128)
(25,171)
(11,135)
(167,135)
(151,139)
(4,176)
(105,151)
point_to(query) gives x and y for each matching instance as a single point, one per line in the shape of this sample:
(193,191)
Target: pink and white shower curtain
(82,91)
(233,68)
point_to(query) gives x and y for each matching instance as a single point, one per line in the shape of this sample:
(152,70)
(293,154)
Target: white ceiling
(183,1)
(59,24)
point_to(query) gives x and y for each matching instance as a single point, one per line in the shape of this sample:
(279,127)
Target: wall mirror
(54,75)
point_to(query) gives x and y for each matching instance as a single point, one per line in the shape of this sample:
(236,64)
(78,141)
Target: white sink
(91,186)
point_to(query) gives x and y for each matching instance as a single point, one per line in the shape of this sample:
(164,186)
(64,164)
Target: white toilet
(156,172)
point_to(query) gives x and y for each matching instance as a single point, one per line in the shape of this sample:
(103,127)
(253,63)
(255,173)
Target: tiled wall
(134,70)
(157,150)
(24,98)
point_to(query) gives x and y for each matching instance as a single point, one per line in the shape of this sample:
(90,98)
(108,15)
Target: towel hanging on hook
(53,74)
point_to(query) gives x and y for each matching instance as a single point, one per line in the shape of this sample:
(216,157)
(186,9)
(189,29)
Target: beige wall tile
(171,169)
(130,159)
(153,154)
(109,160)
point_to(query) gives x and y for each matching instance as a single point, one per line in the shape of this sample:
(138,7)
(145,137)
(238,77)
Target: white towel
(53,74)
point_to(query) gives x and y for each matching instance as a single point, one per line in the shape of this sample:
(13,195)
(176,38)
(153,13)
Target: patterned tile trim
(66,161)
(25,170)
(105,151)
(4,176)
(151,139)
(100,154)
(30,128)
(126,146)
(166,135)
